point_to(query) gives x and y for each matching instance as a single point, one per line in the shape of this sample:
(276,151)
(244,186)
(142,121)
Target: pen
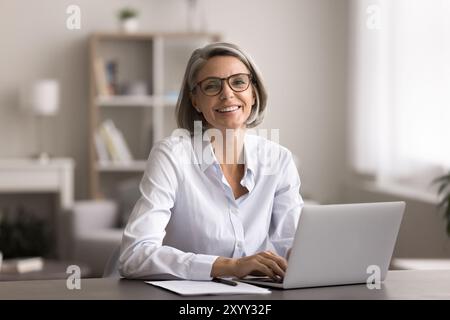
(224,281)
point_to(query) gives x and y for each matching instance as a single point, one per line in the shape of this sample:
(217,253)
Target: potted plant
(128,19)
(443,183)
(22,234)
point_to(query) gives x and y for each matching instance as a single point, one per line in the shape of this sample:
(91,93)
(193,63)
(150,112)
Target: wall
(299,45)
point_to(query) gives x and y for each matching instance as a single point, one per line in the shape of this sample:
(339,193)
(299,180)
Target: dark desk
(398,285)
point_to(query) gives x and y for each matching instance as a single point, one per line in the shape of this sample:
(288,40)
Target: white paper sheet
(192,288)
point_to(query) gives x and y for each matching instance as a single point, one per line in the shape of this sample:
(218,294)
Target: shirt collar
(205,156)
(250,153)
(203,151)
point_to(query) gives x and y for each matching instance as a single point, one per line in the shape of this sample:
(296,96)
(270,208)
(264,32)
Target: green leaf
(442,179)
(127,13)
(447,216)
(442,187)
(444,201)
(447,211)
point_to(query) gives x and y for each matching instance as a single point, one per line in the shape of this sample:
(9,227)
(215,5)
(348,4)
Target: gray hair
(185,112)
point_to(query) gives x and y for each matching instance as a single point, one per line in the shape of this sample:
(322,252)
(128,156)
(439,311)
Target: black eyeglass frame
(227,79)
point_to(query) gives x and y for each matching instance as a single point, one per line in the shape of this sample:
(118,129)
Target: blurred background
(357,88)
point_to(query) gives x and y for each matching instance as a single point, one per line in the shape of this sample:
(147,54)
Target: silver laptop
(335,244)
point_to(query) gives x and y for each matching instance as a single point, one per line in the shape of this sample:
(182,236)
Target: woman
(222,213)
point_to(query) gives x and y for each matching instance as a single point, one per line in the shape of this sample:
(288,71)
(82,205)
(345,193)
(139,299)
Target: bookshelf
(134,84)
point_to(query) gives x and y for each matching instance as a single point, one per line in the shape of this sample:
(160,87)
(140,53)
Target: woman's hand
(264,263)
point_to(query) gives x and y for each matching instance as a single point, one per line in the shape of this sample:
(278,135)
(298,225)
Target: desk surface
(410,284)
(52,269)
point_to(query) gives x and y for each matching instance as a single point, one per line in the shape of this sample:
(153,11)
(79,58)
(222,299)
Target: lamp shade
(41,97)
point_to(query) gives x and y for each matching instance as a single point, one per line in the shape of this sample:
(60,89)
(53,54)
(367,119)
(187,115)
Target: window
(400,89)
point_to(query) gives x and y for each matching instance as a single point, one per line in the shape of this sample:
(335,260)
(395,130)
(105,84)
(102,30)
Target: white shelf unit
(136,101)
(137,165)
(159,61)
(125,101)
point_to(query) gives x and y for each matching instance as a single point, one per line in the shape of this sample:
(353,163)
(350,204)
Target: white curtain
(400,88)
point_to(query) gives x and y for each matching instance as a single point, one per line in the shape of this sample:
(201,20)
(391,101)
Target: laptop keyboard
(269,280)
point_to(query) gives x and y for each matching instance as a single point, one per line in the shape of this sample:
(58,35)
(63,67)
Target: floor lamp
(41,99)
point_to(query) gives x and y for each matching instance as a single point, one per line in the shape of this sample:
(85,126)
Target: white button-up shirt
(187,215)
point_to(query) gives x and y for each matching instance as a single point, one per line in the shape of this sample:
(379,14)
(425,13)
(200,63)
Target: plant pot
(130,25)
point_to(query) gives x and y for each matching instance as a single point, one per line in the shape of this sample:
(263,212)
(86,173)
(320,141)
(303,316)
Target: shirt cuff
(200,267)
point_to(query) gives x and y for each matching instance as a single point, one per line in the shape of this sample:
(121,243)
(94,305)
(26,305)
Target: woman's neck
(229,148)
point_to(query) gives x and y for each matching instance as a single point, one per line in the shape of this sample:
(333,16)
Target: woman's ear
(253,95)
(194,102)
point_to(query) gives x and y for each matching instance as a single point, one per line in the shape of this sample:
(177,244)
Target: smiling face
(228,109)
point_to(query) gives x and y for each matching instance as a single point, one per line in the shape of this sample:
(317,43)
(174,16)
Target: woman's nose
(227,92)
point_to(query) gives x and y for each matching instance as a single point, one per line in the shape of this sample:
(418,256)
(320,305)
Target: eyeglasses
(213,86)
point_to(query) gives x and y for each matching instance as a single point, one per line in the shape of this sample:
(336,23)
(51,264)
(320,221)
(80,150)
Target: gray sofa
(96,226)
(94,233)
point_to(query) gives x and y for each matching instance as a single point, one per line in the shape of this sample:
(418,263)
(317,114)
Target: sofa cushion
(95,249)
(127,195)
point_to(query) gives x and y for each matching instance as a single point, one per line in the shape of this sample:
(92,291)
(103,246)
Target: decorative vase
(130,25)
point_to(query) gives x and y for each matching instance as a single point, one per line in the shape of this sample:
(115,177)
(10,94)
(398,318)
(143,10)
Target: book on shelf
(100,77)
(22,265)
(105,74)
(111,77)
(100,146)
(111,144)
